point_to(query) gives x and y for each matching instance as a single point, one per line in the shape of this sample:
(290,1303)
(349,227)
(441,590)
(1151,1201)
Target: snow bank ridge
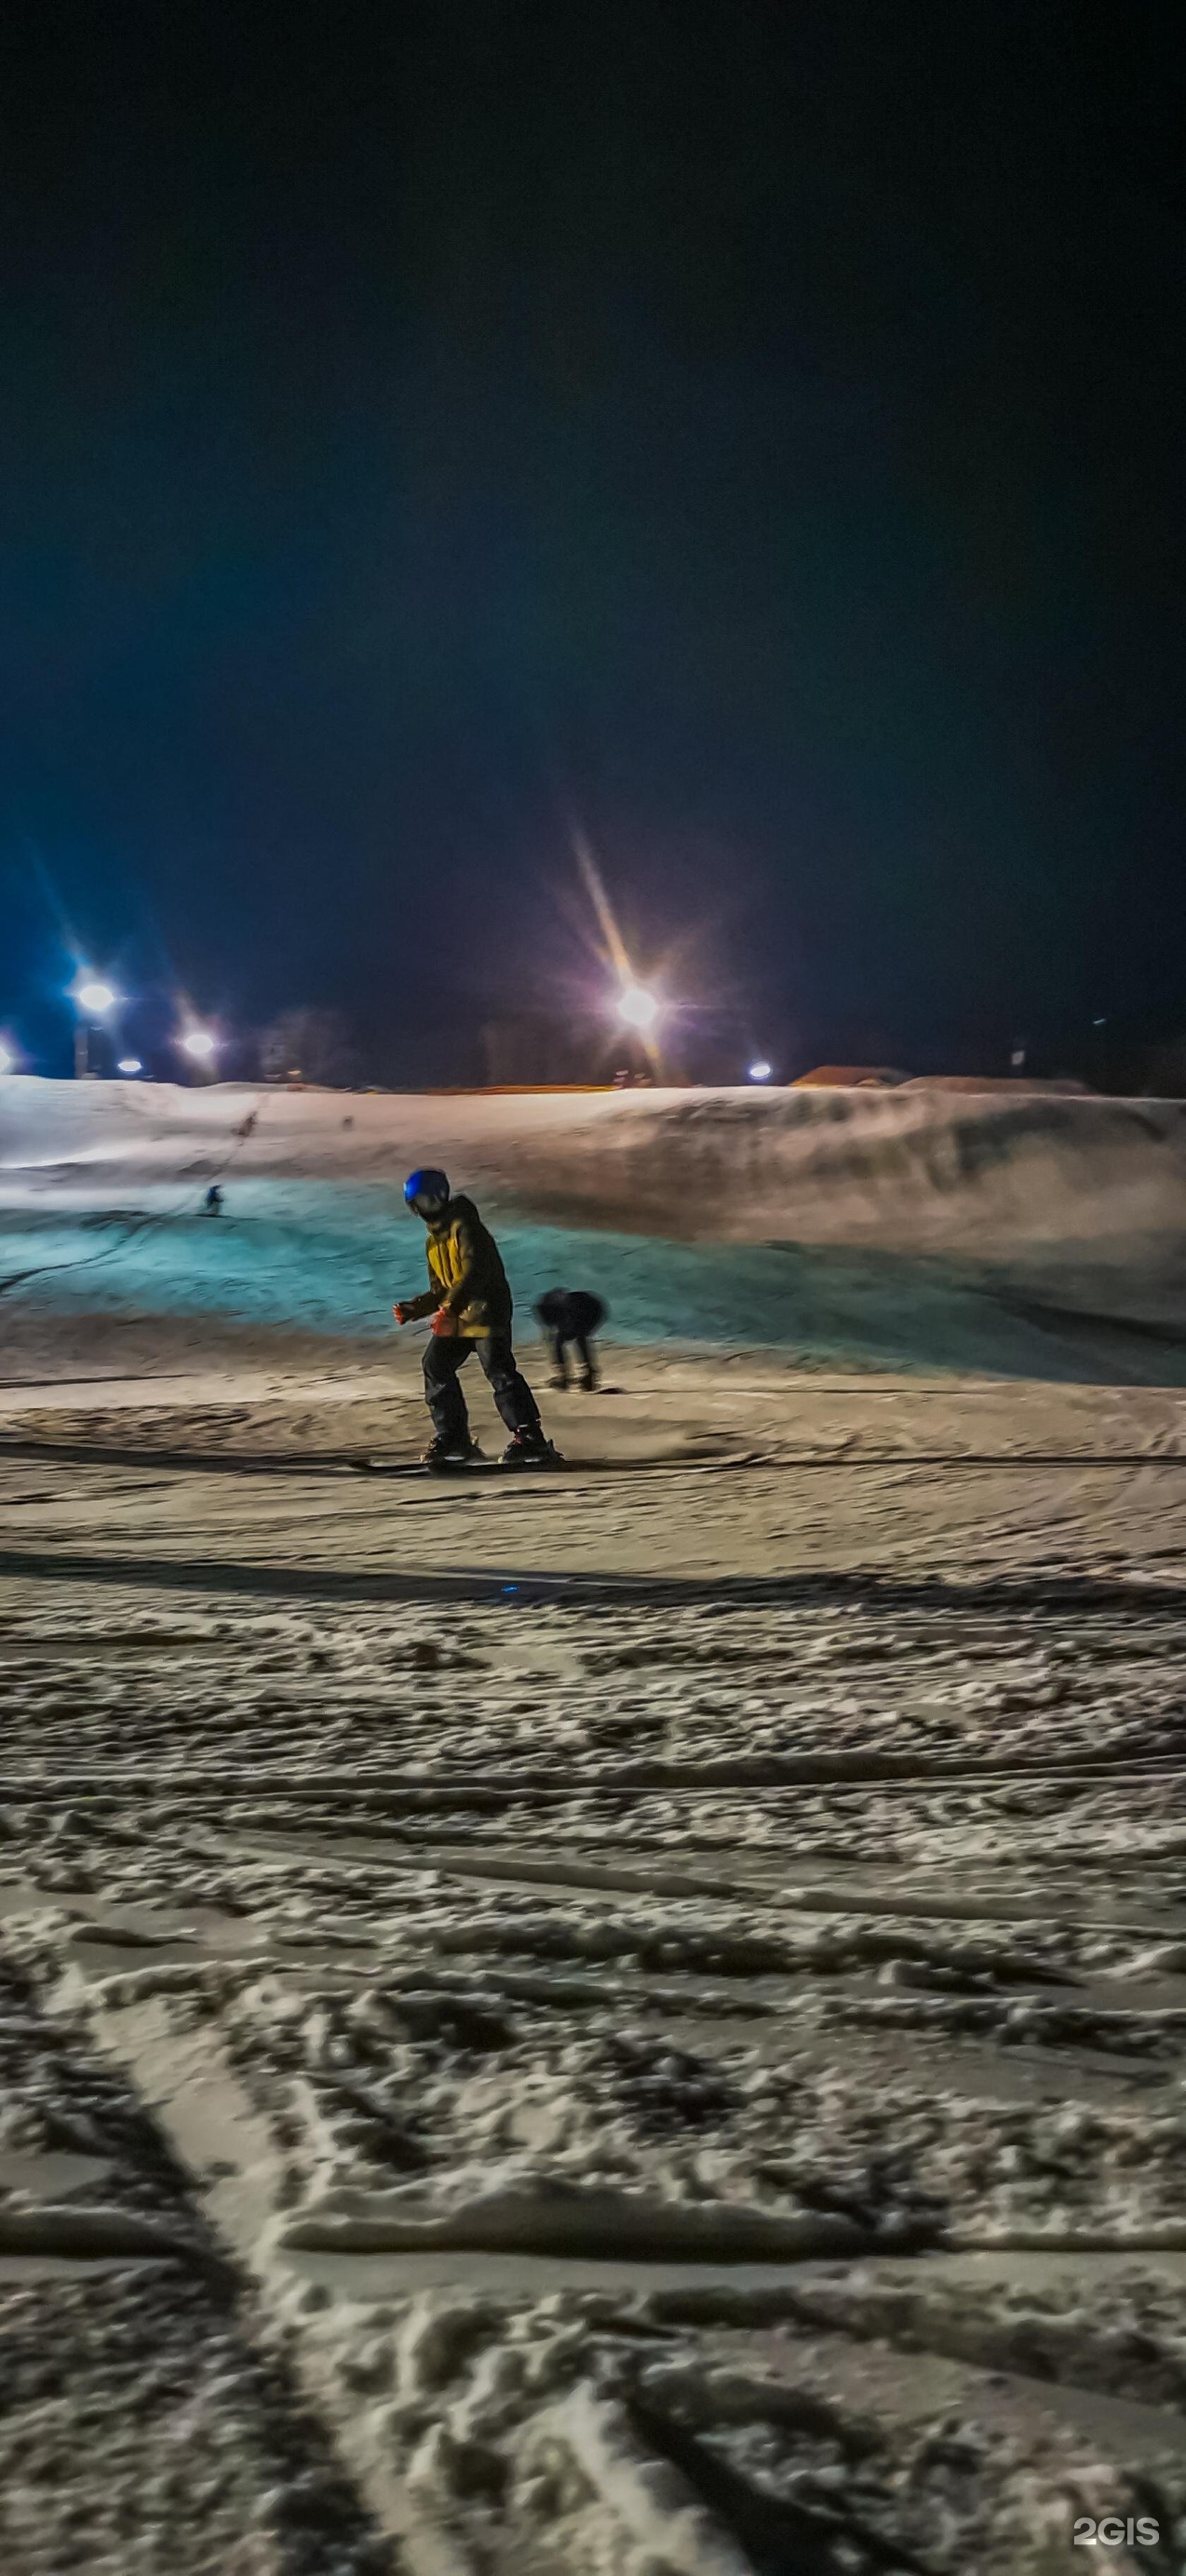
(911,1170)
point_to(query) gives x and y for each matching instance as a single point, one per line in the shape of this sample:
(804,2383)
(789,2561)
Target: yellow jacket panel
(466,1273)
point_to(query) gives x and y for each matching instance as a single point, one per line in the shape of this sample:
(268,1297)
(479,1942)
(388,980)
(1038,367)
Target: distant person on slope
(469,1299)
(570,1317)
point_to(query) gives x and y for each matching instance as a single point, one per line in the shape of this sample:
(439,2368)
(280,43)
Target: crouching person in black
(570,1317)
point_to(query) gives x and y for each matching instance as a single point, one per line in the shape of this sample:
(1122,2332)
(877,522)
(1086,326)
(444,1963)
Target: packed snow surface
(624,2023)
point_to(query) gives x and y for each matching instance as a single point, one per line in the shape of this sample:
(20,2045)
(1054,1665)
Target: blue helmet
(427,1192)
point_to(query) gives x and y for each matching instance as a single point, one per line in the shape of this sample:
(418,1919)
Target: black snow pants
(446,1354)
(562,1344)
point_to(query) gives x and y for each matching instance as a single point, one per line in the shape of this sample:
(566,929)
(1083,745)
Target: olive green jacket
(466,1273)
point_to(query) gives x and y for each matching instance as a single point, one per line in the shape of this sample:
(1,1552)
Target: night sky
(753,432)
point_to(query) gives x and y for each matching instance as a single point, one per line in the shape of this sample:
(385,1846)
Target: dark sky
(756,429)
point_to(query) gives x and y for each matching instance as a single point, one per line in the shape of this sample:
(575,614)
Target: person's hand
(445,1322)
(401,1314)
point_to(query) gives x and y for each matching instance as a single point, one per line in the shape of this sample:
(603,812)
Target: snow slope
(918,1170)
(925,1227)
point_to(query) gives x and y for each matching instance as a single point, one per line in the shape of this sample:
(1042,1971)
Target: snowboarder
(212,1203)
(570,1317)
(469,1299)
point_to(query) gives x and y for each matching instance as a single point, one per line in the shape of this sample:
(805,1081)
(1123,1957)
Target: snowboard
(481,1466)
(462,1467)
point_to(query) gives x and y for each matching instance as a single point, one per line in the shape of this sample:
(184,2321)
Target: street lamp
(94,997)
(129,1064)
(637,1007)
(761,1071)
(199,1042)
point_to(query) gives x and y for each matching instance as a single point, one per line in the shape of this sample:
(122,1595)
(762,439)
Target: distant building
(529,1047)
(1022,1084)
(850,1077)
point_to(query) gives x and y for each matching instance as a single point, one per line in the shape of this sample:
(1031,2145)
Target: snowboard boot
(558,1381)
(443,1452)
(529,1448)
(587,1382)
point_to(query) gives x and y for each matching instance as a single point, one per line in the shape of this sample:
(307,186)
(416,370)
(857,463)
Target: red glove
(445,1322)
(402,1314)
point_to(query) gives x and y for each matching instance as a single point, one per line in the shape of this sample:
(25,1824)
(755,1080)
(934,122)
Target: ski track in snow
(627,2124)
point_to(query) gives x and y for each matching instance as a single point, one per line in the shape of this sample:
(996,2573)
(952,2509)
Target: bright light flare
(637,1007)
(199,1042)
(129,1064)
(761,1071)
(93,996)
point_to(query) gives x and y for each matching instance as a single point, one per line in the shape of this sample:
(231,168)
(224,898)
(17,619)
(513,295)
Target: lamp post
(638,1010)
(93,999)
